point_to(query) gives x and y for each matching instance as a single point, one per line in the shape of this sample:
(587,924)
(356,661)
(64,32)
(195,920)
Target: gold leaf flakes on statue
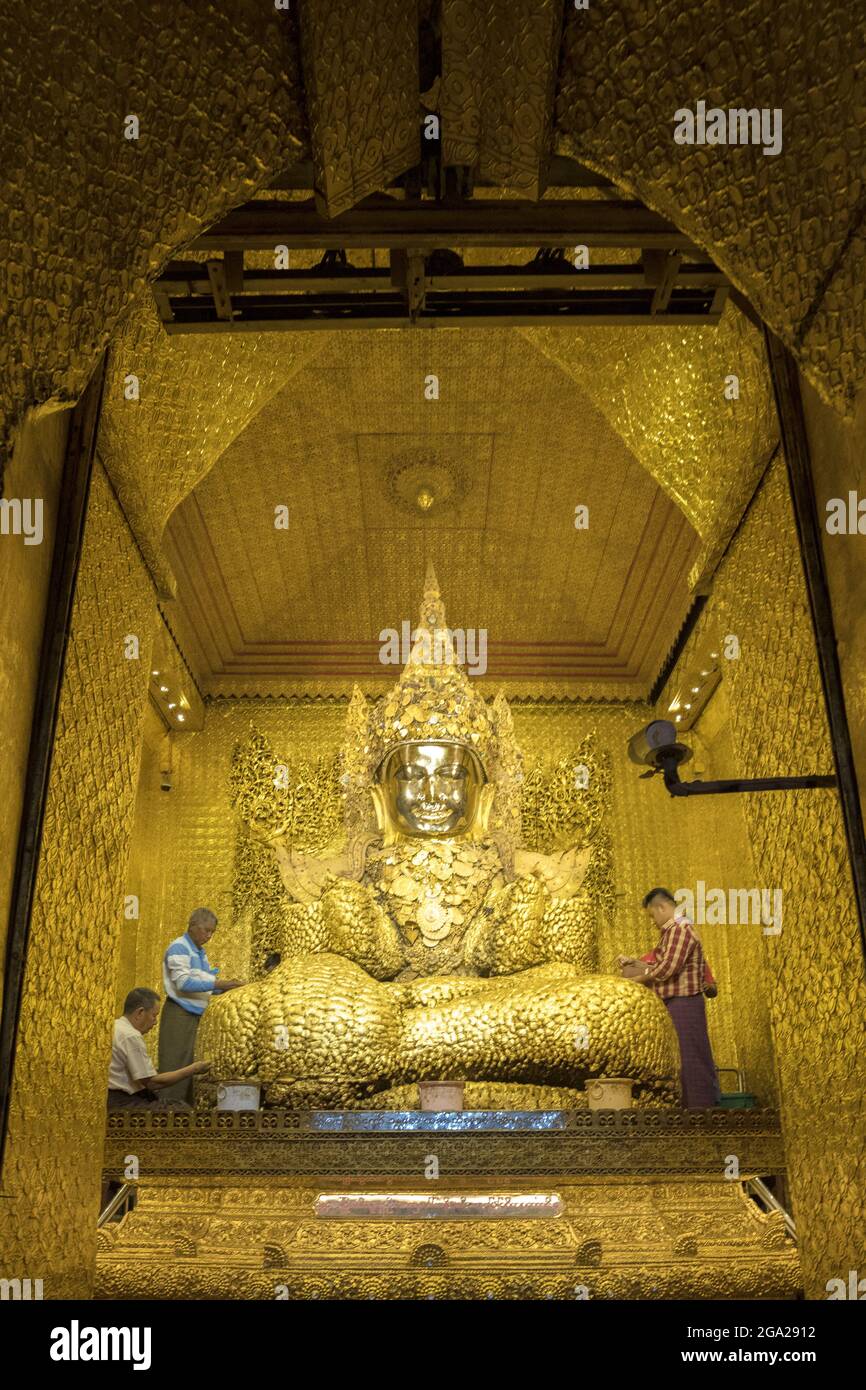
(404,887)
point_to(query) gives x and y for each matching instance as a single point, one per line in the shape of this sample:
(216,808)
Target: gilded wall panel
(51,1175)
(154,746)
(838,452)
(813,972)
(738,948)
(25,571)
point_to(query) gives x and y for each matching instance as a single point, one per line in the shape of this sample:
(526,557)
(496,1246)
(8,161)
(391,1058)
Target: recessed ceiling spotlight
(164,689)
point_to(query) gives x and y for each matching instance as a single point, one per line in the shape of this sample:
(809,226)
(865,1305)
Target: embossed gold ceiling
(788,228)
(87,216)
(228,96)
(509,450)
(194,395)
(664,391)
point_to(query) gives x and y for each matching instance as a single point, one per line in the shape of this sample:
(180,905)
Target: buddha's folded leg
(319,1028)
(226,1034)
(549,1025)
(315,1029)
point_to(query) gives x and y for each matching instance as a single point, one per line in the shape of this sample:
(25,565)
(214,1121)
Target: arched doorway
(88,812)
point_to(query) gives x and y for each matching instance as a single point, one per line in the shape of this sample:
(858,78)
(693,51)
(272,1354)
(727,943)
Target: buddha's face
(432,788)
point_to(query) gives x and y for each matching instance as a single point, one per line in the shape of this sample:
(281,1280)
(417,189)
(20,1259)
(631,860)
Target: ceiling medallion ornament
(421,483)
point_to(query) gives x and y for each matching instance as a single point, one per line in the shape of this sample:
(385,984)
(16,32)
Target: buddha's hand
(561,873)
(524,926)
(306,875)
(509,935)
(357,927)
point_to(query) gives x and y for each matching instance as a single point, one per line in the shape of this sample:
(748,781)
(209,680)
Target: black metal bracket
(668,764)
(670,280)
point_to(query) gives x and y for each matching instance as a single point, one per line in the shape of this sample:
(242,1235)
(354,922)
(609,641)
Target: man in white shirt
(133,1082)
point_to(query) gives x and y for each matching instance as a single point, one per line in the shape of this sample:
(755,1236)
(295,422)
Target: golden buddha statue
(434,947)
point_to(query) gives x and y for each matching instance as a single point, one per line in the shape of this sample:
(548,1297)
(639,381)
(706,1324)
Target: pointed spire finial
(432,606)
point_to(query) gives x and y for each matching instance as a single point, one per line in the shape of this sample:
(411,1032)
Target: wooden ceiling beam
(562,172)
(182,278)
(263,225)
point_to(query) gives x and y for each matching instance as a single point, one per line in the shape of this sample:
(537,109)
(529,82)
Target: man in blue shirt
(189,981)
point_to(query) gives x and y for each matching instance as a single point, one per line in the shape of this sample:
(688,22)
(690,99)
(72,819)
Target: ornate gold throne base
(562,1205)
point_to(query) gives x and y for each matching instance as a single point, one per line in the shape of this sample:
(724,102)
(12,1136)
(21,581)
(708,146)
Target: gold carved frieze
(326,1145)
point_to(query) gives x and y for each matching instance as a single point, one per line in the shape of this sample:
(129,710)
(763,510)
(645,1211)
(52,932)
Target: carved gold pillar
(498,85)
(360,65)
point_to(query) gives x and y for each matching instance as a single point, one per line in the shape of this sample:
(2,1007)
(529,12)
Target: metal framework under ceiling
(425,281)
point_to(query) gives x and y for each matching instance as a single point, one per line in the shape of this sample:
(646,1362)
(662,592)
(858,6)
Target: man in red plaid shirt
(677,972)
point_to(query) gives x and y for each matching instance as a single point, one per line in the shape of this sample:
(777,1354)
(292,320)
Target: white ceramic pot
(610,1093)
(238,1095)
(441,1095)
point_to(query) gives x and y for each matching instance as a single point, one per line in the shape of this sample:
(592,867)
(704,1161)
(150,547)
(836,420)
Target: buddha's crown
(434,697)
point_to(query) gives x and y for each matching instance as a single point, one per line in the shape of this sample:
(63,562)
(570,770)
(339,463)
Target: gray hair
(140,998)
(202,917)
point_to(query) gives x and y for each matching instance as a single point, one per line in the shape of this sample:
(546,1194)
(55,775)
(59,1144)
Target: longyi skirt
(698,1070)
